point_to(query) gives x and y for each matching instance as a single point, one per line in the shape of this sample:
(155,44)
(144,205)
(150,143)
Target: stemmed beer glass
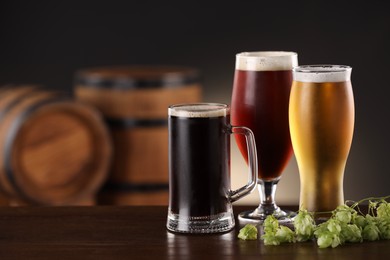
(260,101)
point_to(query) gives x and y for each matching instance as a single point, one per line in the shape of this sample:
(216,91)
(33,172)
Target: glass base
(201,225)
(258,215)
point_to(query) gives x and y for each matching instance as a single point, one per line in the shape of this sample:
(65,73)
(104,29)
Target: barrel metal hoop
(10,138)
(127,83)
(14,102)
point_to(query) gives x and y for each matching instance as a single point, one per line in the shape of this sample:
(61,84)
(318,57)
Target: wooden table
(139,233)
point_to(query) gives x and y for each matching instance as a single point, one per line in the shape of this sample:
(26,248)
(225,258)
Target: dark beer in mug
(200,198)
(200,171)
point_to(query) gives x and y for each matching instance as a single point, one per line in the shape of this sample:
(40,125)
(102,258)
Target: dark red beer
(260,101)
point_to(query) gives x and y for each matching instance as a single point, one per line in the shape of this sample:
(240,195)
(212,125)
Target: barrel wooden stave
(139,103)
(142,151)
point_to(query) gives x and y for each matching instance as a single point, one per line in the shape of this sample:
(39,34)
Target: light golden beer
(321,117)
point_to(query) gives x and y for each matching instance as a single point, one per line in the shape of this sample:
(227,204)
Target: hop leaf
(248,232)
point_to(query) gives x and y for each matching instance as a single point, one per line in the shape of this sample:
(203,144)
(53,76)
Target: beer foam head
(322,73)
(266,60)
(199,110)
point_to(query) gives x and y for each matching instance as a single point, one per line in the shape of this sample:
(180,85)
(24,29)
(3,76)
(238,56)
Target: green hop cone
(328,233)
(248,232)
(270,239)
(384,227)
(360,221)
(327,239)
(382,218)
(304,226)
(370,231)
(270,224)
(285,235)
(383,210)
(350,233)
(344,216)
(274,234)
(334,226)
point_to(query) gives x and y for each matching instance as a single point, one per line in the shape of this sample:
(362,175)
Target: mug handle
(252,163)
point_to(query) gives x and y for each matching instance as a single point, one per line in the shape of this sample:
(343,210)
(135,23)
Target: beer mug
(321,115)
(200,198)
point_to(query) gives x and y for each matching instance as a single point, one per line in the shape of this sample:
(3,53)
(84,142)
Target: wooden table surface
(131,232)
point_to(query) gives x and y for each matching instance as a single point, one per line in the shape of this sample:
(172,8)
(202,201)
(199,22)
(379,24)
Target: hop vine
(347,224)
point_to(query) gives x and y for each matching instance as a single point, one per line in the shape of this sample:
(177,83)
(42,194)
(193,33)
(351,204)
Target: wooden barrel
(53,150)
(134,102)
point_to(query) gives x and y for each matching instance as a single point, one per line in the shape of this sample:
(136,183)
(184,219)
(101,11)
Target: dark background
(46,42)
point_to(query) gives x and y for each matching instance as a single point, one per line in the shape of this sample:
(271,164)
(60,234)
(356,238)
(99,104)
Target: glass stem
(267,191)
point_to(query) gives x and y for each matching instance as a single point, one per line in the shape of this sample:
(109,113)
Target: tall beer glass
(261,91)
(321,116)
